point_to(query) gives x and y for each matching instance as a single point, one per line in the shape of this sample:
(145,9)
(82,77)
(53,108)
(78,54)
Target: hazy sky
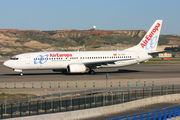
(83,14)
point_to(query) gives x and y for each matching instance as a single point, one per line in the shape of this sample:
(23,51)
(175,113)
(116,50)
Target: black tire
(21,74)
(91,72)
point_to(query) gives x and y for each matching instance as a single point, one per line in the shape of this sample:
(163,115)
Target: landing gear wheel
(91,72)
(21,74)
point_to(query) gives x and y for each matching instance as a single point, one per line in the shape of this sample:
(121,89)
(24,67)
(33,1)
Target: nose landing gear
(19,71)
(21,74)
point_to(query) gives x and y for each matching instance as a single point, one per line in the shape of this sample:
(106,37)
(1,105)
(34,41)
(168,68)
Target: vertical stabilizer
(150,40)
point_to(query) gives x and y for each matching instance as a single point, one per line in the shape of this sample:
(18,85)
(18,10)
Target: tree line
(173,49)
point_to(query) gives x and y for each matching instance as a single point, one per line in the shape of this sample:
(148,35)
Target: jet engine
(76,68)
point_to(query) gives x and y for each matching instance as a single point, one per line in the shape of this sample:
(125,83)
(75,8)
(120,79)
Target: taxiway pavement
(161,74)
(141,71)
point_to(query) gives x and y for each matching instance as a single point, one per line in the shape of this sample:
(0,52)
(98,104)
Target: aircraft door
(137,60)
(27,59)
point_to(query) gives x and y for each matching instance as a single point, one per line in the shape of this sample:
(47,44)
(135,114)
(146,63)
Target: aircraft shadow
(65,73)
(16,74)
(119,71)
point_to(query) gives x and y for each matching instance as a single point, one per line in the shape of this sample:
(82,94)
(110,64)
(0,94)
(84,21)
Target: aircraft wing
(99,63)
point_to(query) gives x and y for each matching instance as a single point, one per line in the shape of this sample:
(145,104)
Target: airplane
(86,61)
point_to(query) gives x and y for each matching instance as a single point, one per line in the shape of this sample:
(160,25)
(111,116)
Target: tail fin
(150,40)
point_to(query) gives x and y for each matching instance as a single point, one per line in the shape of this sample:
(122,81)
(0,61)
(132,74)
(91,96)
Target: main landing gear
(91,72)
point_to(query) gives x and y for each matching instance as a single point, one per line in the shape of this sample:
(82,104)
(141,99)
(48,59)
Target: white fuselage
(60,60)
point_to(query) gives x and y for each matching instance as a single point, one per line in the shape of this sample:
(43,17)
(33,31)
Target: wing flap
(99,63)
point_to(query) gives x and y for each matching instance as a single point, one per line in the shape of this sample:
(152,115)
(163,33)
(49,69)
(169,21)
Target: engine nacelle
(76,68)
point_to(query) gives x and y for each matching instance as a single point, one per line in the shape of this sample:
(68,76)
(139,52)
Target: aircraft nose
(7,63)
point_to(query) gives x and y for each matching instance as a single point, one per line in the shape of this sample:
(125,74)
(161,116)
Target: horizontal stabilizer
(157,52)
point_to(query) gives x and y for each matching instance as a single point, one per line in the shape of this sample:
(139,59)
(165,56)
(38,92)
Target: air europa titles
(60,55)
(148,37)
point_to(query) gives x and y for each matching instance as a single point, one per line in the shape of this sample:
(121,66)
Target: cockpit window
(14,58)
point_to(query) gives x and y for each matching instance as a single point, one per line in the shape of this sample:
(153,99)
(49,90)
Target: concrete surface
(175,118)
(131,72)
(80,85)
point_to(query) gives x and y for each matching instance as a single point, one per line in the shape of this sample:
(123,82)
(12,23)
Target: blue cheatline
(153,115)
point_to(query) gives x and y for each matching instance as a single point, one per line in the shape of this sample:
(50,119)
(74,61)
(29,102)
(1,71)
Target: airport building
(163,55)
